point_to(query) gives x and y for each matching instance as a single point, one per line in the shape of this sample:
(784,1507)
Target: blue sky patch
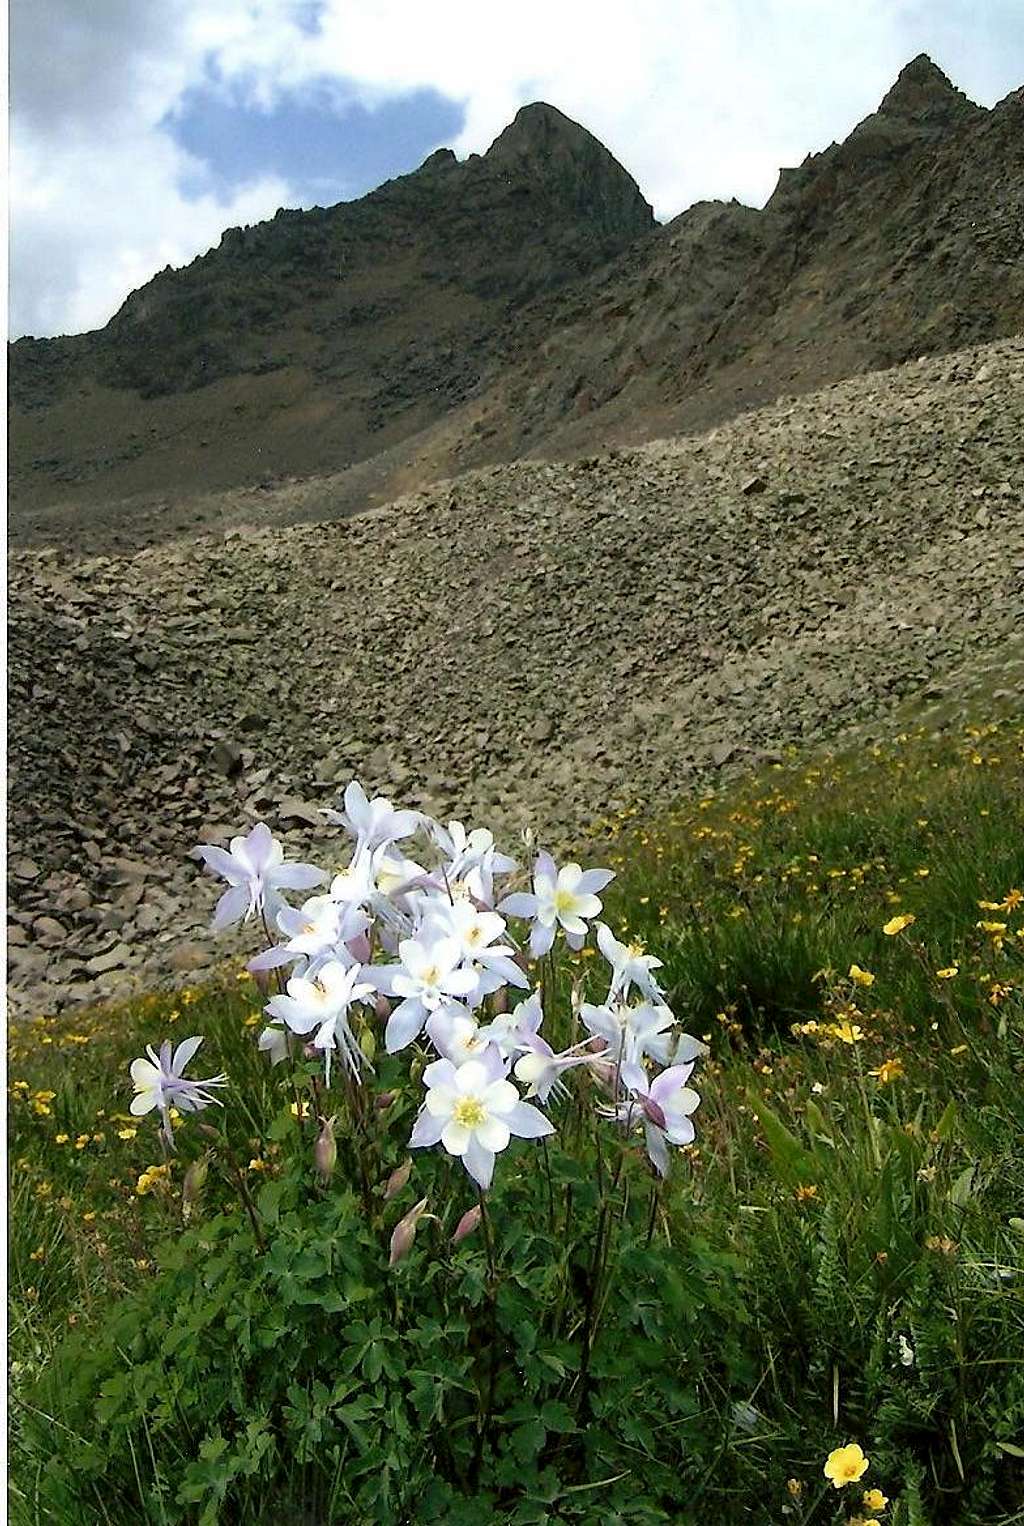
(324,143)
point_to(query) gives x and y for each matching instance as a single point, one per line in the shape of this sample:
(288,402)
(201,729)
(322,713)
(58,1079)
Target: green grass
(876,1225)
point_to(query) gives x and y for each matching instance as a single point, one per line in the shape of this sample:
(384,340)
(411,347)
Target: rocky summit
(537,643)
(523,303)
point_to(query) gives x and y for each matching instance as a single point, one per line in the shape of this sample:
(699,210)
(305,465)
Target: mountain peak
(543,147)
(923,93)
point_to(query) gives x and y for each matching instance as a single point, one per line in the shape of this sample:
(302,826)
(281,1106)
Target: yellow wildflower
(794,1487)
(874,1499)
(127,1133)
(61,1138)
(1012,899)
(806,1194)
(861,977)
(889,1070)
(941,1243)
(949,972)
(897,924)
(847,1032)
(845,1465)
(995,928)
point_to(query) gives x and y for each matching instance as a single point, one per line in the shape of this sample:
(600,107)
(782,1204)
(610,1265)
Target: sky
(141,129)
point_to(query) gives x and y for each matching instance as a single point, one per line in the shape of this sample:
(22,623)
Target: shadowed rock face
(520,303)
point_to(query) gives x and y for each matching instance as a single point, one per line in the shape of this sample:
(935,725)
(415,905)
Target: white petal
(494,1134)
(455,1137)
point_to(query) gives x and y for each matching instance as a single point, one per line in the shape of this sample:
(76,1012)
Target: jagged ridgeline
(526,302)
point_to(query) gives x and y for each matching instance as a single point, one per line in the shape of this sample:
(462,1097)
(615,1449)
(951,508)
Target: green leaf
(793,1163)
(557,1417)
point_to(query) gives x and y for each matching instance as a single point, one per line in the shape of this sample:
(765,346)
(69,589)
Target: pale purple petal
(657,1149)
(184,1052)
(593,880)
(404,1024)
(528,1122)
(297,876)
(231,907)
(520,904)
(479,1162)
(218,861)
(426,1131)
(541,939)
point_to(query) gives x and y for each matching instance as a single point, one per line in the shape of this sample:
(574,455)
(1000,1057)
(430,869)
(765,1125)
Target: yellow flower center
(431,976)
(635,950)
(565,901)
(469,1111)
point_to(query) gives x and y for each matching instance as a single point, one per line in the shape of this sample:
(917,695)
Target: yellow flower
(127,1133)
(874,1499)
(1012,899)
(861,977)
(805,1194)
(897,924)
(845,1465)
(995,928)
(949,973)
(87,1218)
(795,1487)
(849,1033)
(889,1070)
(958,1049)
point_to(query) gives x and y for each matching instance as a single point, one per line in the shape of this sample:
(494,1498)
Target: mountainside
(520,303)
(541,643)
(321,336)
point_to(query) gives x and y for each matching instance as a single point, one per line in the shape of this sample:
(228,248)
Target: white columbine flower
(667,1105)
(475,932)
(631,966)
(456,1035)
(318,932)
(322,1003)
(563,898)
(541,1068)
(631,1033)
(473,1112)
(514,1031)
(373,822)
(159,1083)
(427,978)
(256,874)
(473,857)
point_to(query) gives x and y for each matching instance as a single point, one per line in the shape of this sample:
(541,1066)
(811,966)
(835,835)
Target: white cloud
(695,97)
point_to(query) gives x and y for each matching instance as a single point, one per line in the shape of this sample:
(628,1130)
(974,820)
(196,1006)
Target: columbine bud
(466,1225)
(499,1002)
(397,1180)
(384,1100)
(405,1233)
(192,1186)
(309,1051)
(262,979)
(529,838)
(368,1044)
(325,1151)
(208,1130)
(382,1007)
(416,1068)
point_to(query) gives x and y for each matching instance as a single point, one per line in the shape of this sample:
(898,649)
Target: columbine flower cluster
(414,934)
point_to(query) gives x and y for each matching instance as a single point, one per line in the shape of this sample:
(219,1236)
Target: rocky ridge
(520,304)
(534,643)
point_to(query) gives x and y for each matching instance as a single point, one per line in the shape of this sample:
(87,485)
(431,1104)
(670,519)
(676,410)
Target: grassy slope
(874,1218)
